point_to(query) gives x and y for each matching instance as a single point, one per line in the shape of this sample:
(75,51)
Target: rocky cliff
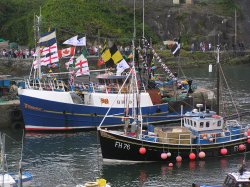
(201,21)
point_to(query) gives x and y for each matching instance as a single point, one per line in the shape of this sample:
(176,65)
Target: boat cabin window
(207,124)
(201,124)
(191,122)
(194,123)
(188,122)
(219,123)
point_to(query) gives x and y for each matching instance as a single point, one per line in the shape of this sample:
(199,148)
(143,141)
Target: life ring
(16,114)
(91,184)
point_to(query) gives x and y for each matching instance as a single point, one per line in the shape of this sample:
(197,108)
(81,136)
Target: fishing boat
(202,134)
(8,179)
(50,104)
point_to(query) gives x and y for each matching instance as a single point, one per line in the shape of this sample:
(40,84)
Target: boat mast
(39,19)
(235,27)
(218,77)
(2,142)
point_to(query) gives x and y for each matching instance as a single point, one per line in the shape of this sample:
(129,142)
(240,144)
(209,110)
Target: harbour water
(67,159)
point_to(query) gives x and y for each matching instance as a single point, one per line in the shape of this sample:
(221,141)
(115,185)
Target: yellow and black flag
(111,56)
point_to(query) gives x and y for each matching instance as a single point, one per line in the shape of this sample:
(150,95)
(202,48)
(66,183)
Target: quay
(11,115)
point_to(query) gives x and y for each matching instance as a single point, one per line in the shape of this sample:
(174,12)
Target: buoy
(245,134)
(242,147)
(248,140)
(210,68)
(202,154)
(192,156)
(164,156)
(211,139)
(169,154)
(142,150)
(178,158)
(248,132)
(170,164)
(223,151)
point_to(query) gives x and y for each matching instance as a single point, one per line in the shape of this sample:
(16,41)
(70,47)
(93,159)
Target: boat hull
(46,115)
(120,148)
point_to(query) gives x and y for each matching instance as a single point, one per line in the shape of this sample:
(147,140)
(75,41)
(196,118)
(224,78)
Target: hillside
(113,19)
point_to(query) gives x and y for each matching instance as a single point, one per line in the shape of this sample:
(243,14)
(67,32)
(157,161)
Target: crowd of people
(207,46)
(17,53)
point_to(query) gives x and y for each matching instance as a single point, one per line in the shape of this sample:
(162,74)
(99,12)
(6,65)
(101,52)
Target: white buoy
(210,68)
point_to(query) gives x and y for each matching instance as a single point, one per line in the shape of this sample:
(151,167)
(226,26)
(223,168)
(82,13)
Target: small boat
(97,183)
(11,179)
(200,135)
(233,179)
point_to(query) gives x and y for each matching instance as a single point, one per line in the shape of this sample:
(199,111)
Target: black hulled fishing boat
(200,135)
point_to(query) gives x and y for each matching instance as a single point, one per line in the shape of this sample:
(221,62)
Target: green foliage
(96,19)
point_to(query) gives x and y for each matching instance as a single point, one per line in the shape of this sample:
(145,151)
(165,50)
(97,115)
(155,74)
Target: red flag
(66,52)
(100,62)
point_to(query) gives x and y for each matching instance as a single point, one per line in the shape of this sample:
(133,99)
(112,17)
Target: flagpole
(38,46)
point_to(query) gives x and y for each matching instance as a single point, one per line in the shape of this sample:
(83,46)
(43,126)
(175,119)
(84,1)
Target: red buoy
(202,154)
(178,158)
(248,132)
(223,151)
(142,150)
(192,156)
(242,147)
(170,164)
(164,156)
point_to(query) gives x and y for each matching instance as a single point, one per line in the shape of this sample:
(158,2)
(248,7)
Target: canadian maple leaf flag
(70,51)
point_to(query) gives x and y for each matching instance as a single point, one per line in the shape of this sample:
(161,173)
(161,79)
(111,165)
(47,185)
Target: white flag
(72,41)
(121,66)
(81,41)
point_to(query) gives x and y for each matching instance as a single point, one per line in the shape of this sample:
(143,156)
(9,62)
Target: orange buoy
(164,156)
(178,158)
(202,154)
(242,147)
(223,151)
(192,156)
(142,150)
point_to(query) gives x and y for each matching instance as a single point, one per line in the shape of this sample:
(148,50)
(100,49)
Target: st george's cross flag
(82,64)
